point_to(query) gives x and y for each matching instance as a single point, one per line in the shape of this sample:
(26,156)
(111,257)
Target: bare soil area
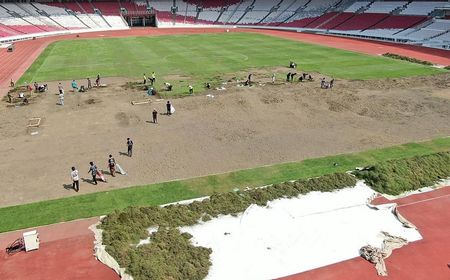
(240,127)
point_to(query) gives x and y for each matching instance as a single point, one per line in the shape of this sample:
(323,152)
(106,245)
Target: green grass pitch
(202,57)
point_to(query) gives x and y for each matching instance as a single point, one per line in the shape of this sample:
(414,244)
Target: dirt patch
(91,101)
(270,99)
(241,127)
(127,119)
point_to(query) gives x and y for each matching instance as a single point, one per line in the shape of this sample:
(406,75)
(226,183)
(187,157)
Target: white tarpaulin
(103,256)
(294,235)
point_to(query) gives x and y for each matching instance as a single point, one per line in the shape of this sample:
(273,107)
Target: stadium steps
(296,12)
(186,13)
(411,25)
(31,15)
(273,9)
(6,32)
(376,23)
(86,13)
(417,27)
(197,14)
(105,20)
(222,10)
(248,9)
(44,24)
(360,10)
(275,20)
(328,20)
(437,35)
(16,15)
(100,14)
(10,29)
(341,23)
(43,13)
(325,14)
(365,8)
(401,8)
(74,14)
(319,20)
(232,14)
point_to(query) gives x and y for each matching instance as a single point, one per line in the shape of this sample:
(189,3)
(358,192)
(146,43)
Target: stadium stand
(20,19)
(385,7)
(403,21)
(421,7)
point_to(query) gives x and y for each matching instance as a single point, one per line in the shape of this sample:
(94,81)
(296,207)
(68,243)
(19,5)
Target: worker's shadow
(123,154)
(68,187)
(90,181)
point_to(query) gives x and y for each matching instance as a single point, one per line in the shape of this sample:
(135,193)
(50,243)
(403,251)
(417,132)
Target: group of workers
(112,164)
(151,79)
(326,85)
(167,86)
(96,173)
(75,88)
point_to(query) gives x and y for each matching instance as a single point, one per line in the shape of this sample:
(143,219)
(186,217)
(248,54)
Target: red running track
(67,250)
(65,253)
(424,259)
(14,64)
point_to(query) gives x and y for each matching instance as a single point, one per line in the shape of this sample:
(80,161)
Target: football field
(202,57)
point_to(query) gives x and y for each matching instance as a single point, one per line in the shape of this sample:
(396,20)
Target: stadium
(238,139)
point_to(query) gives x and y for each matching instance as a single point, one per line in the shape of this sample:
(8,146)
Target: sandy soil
(239,128)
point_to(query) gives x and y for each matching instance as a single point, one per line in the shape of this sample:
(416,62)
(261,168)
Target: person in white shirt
(61,99)
(75,179)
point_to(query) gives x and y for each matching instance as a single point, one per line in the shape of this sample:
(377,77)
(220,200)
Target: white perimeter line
(425,200)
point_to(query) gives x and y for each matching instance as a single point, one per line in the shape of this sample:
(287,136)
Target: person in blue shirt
(74,85)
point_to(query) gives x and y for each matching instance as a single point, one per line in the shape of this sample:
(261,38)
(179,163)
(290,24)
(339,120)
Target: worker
(74,85)
(273,78)
(145,79)
(75,179)
(155,116)
(169,108)
(42,88)
(9,97)
(191,89)
(168,86)
(61,98)
(292,76)
(129,147)
(89,84)
(93,170)
(112,165)
(150,91)
(249,80)
(60,88)
(322,83)
(153,78)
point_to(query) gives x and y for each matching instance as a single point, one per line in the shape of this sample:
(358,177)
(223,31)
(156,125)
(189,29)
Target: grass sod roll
(397,176)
